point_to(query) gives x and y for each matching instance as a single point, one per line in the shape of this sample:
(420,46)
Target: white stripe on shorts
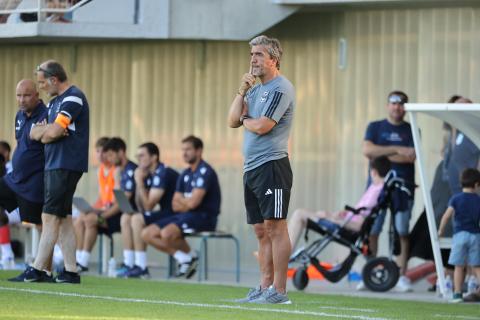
(278,203)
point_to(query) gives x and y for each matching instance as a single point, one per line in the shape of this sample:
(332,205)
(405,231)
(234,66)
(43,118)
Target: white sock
(78,255)
(182,257)
(128,258)
(58,255)
(141,259)
(85,258)
(7,252)
(13,217)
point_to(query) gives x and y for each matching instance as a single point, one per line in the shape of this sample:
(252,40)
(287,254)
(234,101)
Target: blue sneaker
(33,275)
(137,272)
(122,270)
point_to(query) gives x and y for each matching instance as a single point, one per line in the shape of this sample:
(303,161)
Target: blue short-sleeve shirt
(28,160)
(204,177)
(163,178)
(384,133)
(71,151)
(467,212)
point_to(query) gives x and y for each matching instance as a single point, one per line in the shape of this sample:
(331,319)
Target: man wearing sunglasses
(392,137)
(65,136)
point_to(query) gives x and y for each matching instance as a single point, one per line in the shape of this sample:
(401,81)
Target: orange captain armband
(62,120)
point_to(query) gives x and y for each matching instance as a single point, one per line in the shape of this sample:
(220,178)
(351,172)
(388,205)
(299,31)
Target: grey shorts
(465,249)
(402,221)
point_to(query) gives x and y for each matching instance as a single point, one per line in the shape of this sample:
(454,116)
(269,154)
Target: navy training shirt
(28,160)
(127,181)
(69,152)
(383,133)
(204,177)
(163,178)
(467,212)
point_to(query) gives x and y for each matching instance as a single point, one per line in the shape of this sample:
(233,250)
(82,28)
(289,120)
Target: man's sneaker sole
(261,301)
(66,281)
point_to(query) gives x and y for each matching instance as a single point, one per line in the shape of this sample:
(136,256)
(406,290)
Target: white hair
(272,46)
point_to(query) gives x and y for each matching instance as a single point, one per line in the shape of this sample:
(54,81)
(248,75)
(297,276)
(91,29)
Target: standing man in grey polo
(265,111)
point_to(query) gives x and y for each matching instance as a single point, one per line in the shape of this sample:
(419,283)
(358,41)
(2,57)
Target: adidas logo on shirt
(268,192)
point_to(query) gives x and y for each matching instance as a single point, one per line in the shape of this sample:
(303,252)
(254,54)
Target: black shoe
(137,272)
(20,277)
(188,269)
(67,277)
(81,269)
(33,275)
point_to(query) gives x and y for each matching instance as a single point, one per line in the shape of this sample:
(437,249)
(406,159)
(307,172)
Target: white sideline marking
(191,304)
(454,316)
(336,307)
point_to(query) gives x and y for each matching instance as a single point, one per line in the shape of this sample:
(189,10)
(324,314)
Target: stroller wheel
(300,278)
(380,274)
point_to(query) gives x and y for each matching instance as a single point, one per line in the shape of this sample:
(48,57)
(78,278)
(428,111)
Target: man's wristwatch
(243,117)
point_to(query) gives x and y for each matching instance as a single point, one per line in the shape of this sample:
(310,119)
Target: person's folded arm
(183,204)
(260,126)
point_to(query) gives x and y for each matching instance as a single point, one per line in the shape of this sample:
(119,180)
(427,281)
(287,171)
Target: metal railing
(41,10)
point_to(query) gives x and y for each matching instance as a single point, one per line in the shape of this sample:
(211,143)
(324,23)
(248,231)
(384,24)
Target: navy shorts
(190,222)
(29,211)
(153,216)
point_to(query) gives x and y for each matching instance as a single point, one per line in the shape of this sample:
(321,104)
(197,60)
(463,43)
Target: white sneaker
(403,285)
(361,286)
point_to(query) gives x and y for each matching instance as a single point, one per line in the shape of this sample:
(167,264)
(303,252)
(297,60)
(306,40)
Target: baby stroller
(380,273)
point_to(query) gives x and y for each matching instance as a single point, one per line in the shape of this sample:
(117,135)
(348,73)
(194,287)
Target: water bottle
(112,266)
(353,278)
(471,284)
(438,293)
(448,288)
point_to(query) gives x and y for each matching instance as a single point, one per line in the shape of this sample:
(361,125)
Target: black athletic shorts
(60,185)
(267,191)
(29,211)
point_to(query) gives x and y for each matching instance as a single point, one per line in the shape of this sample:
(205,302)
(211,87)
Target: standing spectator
(392,137)
(460,153)
(196,203)
(266,112)
(66,158)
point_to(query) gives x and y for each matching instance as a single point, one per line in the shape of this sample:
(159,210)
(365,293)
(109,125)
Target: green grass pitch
(125,299)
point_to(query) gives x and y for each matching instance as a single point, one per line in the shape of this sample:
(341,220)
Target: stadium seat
(204,236)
